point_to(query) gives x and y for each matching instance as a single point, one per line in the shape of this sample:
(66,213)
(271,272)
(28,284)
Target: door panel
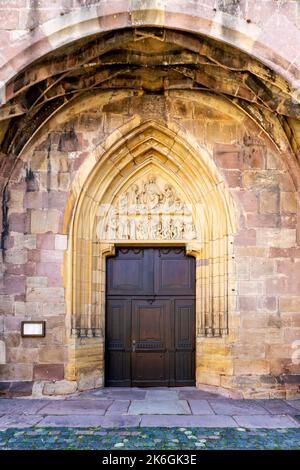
(130,272)
(184,341)
(118,344)
(151,334)
(173,272)
(150,322)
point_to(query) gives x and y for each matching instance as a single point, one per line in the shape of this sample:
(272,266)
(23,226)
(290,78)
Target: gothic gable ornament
(149,209)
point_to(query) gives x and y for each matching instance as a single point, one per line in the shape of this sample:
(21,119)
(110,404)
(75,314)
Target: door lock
(133,345)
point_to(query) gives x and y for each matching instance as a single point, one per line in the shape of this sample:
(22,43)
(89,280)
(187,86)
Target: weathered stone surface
(51,354)
(16,256)
(246,179)
(80,421)
(118,407)
(52,256)
(61,242)
(45,241)
(52,271)
(269,202)
(117,393)
(63,387)
(279,407)
(200,407)
(289,304)
(209,421)
(21,389)
(288,202)
(269,422)
(48,372)
(7,422)
(36,281)
(161,395)
(236,407)
(77,407)
(281,238)
(45,294)
(163,407)
(262,268)
(2,352)
(43,221)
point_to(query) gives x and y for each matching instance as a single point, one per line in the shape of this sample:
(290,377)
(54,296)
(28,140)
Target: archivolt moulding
(162,173)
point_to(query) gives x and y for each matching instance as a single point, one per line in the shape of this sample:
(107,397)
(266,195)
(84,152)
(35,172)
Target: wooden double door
(150,318)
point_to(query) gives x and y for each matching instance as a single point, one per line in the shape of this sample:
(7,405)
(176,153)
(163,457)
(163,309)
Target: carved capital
(107,249)
(194,249)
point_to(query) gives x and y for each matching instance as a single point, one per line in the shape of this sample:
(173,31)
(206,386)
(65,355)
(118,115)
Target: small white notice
(33,328)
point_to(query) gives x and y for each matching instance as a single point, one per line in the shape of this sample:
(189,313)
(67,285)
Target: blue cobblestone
(150,438)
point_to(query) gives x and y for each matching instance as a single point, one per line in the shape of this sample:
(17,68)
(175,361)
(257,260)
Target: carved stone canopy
(149,209)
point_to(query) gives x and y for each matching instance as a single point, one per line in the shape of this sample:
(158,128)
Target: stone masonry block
(251,367)
(289,304)
(246,237)
(17,222)
(52,271)
(48,372)
(288,202)
(61,242)
(62,387)
(16,256)
(45,294)
(45,241)
(14,284)
(262,267)
(16,200)
(249,200)
(50,355)
(268,202)
(52,256)
(36,281)
(2,352)
(276,237)
(260,180)
(45,221)
(250,288)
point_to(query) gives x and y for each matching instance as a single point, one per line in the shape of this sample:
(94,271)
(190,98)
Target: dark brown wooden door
(150,318)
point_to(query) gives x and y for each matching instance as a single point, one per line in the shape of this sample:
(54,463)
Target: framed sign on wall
(33,329)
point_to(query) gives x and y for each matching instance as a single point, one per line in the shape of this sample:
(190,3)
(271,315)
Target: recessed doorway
(150,318)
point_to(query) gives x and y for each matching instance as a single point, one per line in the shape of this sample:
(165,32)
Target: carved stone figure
(132,228)
(151,210)
(169,196)
(178,228)
(154,227)
(166,228)
(190,232)
(142,229)
(123,203)
(112,228)
(123,228)
(135,197)
(152,193)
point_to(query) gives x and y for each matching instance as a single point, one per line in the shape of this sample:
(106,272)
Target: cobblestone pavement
(148,418)
(148,438)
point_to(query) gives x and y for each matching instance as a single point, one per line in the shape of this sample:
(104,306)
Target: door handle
(133,345)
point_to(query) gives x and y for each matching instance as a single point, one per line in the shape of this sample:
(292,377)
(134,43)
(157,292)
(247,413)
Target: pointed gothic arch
(124,160)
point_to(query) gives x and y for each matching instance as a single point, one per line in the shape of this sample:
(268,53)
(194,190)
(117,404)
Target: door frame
(191,248)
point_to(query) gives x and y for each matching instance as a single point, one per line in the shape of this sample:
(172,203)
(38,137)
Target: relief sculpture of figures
(152,194)
(150,210)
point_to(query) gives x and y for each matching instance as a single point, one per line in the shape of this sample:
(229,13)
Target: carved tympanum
(148,210)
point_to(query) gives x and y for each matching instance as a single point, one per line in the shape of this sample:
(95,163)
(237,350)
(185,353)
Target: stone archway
(150,152)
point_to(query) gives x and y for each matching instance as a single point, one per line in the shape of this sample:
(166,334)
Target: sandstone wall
(262,357)
(267,256)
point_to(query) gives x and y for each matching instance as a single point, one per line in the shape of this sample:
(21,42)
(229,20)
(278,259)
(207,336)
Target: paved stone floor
(138,418)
